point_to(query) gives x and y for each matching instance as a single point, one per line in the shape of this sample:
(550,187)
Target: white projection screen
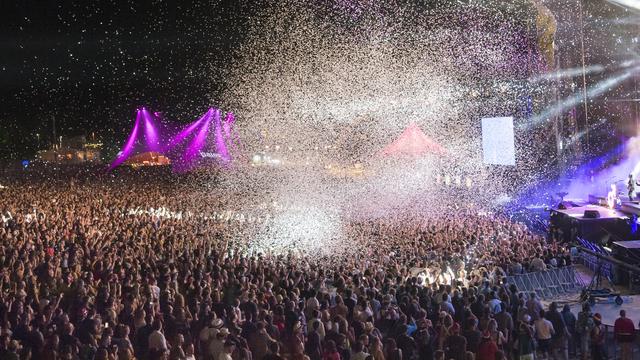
(498,144)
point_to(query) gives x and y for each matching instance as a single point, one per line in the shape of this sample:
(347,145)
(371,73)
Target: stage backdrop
(498,146)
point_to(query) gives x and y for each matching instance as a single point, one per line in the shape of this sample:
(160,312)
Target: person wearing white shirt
(315,315)
(157,341)
(311,304)
(216,346)
(209,333)
(358,352)
(229,346)
(154,290)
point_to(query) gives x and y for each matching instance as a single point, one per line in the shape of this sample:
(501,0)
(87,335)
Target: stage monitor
(591,214)
(498,144)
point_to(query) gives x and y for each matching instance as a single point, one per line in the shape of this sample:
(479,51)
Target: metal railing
(549,284)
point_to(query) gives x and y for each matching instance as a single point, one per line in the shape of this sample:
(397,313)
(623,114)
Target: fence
(549,284)
(595,264)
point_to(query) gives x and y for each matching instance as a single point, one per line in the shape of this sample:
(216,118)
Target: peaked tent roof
(413,143)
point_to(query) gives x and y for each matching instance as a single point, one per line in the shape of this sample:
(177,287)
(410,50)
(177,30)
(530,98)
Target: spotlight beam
(627,4)
(221,146)
(199,140)
(129,145)
(151,132)
(568,73)
(575,99)
(188,130)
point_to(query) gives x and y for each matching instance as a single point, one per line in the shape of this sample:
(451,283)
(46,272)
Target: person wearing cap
(216,346)
(456,344)
(597,337)
(209,333)
(623,332)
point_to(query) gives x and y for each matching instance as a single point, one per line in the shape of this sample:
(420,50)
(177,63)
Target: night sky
(90,64)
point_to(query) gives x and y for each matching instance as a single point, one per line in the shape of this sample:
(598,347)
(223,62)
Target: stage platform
(602,226)
(631,244)
(631,207)
(605,213)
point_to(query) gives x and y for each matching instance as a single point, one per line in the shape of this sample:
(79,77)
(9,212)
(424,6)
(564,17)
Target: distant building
(73,150)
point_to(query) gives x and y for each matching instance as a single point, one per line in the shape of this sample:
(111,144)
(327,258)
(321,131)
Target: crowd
(81,277)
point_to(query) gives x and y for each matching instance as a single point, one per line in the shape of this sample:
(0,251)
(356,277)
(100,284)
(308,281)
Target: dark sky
(91,63)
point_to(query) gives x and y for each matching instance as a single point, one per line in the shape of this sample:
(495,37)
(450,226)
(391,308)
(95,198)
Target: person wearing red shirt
(623,331)
(488,348)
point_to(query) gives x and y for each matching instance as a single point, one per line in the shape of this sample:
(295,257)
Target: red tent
(413,143)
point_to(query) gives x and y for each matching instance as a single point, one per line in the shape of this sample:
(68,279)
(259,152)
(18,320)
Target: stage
(604,212)
(593,222)
(631,207)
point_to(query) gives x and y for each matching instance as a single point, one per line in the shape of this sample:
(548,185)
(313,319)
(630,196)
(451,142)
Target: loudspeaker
(634,282)
(591,214)
(620,275)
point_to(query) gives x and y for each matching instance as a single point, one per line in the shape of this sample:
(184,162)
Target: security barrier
(549,284)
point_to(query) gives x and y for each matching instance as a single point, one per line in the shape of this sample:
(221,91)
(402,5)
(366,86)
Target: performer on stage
(612,196)
(631,187)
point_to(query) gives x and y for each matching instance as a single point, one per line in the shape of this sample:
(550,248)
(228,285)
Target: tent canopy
(413,143)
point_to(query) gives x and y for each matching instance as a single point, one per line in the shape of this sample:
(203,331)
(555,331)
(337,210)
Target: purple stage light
(187,131)
(199,141)
(233,140)
(129,145)
(185,158)
(151,133)
(228,124)
(221,146)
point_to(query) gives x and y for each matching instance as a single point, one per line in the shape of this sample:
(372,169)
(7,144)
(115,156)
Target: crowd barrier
(549,284)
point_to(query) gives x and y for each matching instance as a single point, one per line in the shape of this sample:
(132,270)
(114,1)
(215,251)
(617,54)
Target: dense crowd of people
(81,276)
